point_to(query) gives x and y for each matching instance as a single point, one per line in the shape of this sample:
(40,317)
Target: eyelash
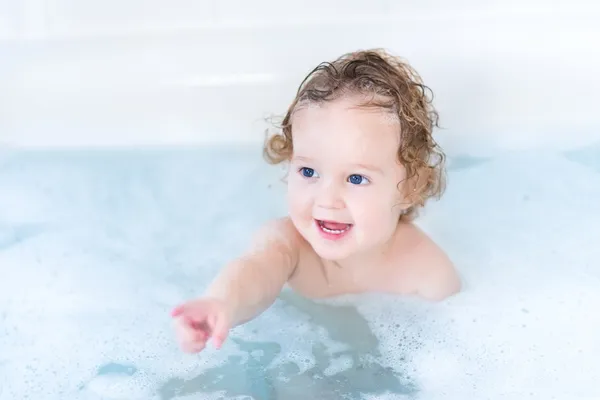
(301,169)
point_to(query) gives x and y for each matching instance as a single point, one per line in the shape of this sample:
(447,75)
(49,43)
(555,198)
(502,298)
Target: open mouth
(333,228)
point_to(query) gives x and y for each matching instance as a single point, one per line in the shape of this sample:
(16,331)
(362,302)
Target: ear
(403,202)
(417,185)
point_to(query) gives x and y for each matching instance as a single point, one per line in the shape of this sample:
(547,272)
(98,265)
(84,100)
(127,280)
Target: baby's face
(343,191)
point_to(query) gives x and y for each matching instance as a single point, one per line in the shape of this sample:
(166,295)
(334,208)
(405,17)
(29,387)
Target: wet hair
(389,84)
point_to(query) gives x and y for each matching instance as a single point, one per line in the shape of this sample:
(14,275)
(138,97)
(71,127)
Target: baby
(358,142)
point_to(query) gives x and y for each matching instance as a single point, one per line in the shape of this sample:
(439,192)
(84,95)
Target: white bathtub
(130,171)
(506,75)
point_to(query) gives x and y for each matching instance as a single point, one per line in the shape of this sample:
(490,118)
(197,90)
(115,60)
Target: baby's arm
(250,284)
(243,289)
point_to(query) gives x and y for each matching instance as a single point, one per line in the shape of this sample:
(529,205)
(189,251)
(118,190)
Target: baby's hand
(198,320)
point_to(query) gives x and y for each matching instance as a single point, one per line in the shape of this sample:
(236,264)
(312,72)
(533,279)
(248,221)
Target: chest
(315,278)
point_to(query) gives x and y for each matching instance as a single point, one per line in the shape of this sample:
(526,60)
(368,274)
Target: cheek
(298,198)
(377,201)
(377,210)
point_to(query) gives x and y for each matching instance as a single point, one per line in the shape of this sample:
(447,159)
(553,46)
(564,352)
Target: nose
(329,196)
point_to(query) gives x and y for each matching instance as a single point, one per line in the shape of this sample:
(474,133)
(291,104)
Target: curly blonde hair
(394,86)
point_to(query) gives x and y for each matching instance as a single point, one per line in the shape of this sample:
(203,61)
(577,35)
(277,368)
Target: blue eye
(356,179)
(307,172)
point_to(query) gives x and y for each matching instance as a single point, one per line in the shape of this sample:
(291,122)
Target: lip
(330,235)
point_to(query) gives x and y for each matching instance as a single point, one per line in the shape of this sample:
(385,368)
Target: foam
(107,243)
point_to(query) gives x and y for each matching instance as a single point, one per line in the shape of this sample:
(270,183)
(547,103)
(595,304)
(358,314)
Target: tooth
(334,231)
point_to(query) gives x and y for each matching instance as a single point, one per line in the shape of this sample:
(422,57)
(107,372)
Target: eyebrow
(369,167)
(300,158)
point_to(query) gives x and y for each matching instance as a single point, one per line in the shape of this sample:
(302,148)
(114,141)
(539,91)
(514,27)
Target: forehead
(341,127)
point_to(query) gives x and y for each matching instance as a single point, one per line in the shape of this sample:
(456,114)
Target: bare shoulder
(434,276)
(277,231)
(278,238)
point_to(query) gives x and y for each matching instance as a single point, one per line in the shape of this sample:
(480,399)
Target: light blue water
(96,248)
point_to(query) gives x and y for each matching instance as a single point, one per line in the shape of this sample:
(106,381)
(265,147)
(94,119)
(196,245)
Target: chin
(331,254)
(331,251)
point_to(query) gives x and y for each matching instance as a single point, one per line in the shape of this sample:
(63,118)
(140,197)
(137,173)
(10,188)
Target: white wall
(506,74)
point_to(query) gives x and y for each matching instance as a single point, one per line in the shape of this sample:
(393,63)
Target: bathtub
(131,171)
(97,246)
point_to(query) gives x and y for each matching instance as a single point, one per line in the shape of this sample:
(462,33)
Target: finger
(193,347)
(198,347)
(185,334)
(196,324)
(189,339)
(189,322)
(201,335)
(193,332)
(194,316)
(183,309)
(195,311)
(220,329)
(177,311)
